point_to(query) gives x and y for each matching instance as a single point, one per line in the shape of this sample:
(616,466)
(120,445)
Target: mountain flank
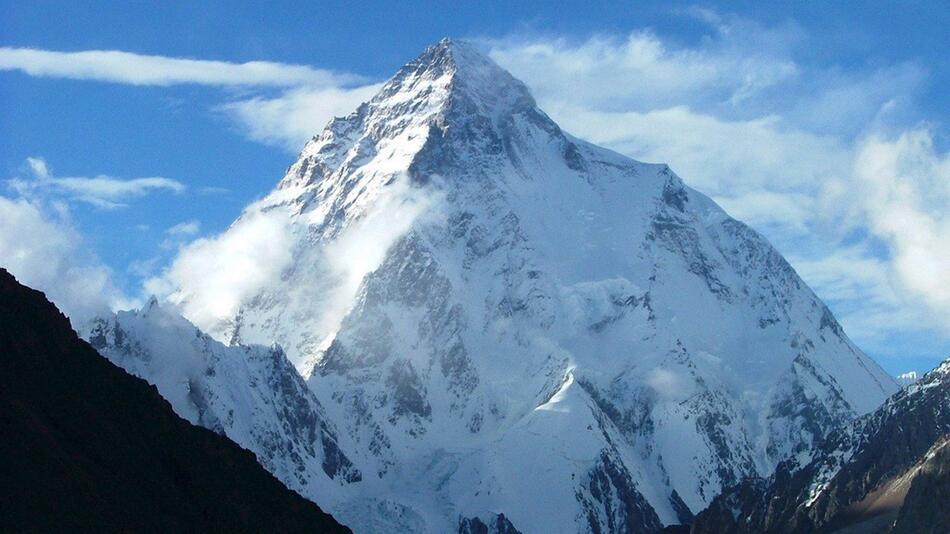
(85,446)
(887,472)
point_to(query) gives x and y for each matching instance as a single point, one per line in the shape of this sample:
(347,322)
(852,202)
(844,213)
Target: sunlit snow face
(212,277)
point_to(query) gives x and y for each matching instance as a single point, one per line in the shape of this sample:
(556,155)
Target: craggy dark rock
(613,503)
(498,524)
(857,477)
(925,508)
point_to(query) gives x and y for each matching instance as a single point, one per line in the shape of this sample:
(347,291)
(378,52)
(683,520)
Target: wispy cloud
(101,191)
(639,71)
(138,69)
(309,97)
(185,228)
(904,186)
(178,235)
(288,120)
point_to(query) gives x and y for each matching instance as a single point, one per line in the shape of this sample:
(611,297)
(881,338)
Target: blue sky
(821,124)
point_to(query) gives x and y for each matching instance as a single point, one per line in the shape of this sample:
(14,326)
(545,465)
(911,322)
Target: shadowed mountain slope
(886,472)
(85,446)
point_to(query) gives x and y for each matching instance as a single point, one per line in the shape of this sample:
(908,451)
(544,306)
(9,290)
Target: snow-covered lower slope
(251,394)
(500,318)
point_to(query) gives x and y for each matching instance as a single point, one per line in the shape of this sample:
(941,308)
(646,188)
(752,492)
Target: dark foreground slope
(887,472)
(85,446)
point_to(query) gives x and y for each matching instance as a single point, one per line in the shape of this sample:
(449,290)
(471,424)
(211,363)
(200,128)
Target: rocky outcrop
(498,524)
(884,467)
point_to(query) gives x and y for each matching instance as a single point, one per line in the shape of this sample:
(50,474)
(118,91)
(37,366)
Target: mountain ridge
(861,476)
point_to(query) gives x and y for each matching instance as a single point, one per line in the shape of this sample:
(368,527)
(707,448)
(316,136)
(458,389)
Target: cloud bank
(42,248)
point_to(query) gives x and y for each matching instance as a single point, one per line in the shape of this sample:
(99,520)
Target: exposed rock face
(890,465)
(498,524)
(497,317)
(86,447)
(925,506)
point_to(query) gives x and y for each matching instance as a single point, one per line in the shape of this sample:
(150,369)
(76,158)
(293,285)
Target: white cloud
(44,251)
(669,386)
(362,246)
(210,277)
(870,305)
(904,187)
(639,72)
(185,228)
(717,156)
(39,168)
(760,208)
(101,191)
(296,115)
(311,96)
(139,69)
(176,236)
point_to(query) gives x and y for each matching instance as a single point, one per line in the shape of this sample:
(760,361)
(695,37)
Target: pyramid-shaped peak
(466,71)
(452,87)
(457,54)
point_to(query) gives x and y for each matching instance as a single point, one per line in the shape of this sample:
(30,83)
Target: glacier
(480,319)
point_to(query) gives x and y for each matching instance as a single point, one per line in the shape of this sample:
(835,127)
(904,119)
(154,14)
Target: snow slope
(499,318)
(250,394)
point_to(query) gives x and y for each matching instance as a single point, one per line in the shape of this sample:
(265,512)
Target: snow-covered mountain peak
(937,375)
(451,94)
(471,74)
(462,81)
(478,299)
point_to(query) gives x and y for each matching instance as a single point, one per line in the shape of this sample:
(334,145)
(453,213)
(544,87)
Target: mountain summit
(510,326)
